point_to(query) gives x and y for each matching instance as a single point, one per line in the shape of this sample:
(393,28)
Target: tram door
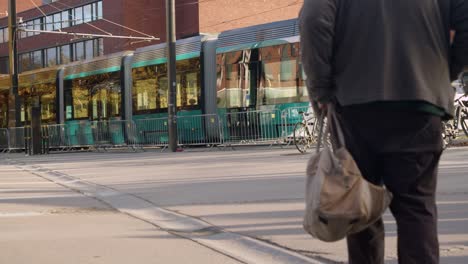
(243,119)
(100,112)
(99,105)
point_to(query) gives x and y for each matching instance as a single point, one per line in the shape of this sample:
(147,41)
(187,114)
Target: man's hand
(319,108)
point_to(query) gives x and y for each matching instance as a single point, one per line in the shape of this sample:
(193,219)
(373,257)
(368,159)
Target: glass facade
(96,97)
(264,76)
(150,87)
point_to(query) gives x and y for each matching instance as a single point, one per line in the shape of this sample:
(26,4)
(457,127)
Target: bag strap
(333,125)
(335,128)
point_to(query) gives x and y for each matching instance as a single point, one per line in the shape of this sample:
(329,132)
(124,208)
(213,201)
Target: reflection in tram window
(235,79)
(150,87)
(45,94)
(96,97)
(279,83)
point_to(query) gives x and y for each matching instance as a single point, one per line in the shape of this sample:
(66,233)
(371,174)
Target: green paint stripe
(255,45)
(150,62)
(180,57)
(96,72)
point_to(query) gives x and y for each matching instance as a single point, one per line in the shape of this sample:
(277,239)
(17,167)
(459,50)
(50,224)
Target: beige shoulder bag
(339,201)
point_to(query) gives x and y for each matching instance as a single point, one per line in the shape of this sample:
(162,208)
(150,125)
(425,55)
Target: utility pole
(171,74)
(14,119)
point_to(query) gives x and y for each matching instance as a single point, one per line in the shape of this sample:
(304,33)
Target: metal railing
(199,130)
(248,127)
(289,118)
(152,132)
(4,139)
(17,138)
(251,127)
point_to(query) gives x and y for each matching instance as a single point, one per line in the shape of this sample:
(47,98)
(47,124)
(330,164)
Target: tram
(246,70)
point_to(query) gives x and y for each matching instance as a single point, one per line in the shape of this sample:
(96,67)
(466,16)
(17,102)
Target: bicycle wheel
(302,138)
(464,121)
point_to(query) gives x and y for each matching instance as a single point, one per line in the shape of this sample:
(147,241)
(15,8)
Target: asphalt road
(236,195)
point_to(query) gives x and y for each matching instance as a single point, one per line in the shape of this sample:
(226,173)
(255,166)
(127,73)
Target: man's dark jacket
(365,51)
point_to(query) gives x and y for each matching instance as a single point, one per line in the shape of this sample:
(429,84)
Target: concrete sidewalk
(42,222)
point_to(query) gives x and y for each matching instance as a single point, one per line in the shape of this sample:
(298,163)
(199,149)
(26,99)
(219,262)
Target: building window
(51,57)
(78,51)
(65,19)
(99,9)
(78,17)
(87,13)
(65,54)
(49,23)
(58,21)
(2,33)
(4,65)
(24,62)
(89,51)
(29,26)
(36,57)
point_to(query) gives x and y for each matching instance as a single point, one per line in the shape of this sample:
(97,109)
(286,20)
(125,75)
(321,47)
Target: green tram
(258,68)
(235,76)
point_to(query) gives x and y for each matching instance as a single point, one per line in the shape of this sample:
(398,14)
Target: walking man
(388,65)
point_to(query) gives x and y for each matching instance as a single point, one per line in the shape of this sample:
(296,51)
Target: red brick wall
(21,5)
(220,15)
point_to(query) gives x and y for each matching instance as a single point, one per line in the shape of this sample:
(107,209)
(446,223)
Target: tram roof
(270,34)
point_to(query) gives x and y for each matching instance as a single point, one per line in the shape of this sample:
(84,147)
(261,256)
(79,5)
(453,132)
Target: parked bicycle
(305,132)
(451,128)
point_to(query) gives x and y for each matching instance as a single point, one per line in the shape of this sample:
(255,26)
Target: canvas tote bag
(339,201)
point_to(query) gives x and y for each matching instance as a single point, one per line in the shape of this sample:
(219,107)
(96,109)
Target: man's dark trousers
(400,148)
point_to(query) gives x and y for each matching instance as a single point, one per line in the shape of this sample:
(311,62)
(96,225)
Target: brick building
(221,15)
(37,50)
(103,17)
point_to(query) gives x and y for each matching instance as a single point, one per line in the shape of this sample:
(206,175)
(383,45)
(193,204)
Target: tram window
(278,84)
(188,83)
(80,102)
(162,93)
(144,87)
(47,94)
(192,89)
